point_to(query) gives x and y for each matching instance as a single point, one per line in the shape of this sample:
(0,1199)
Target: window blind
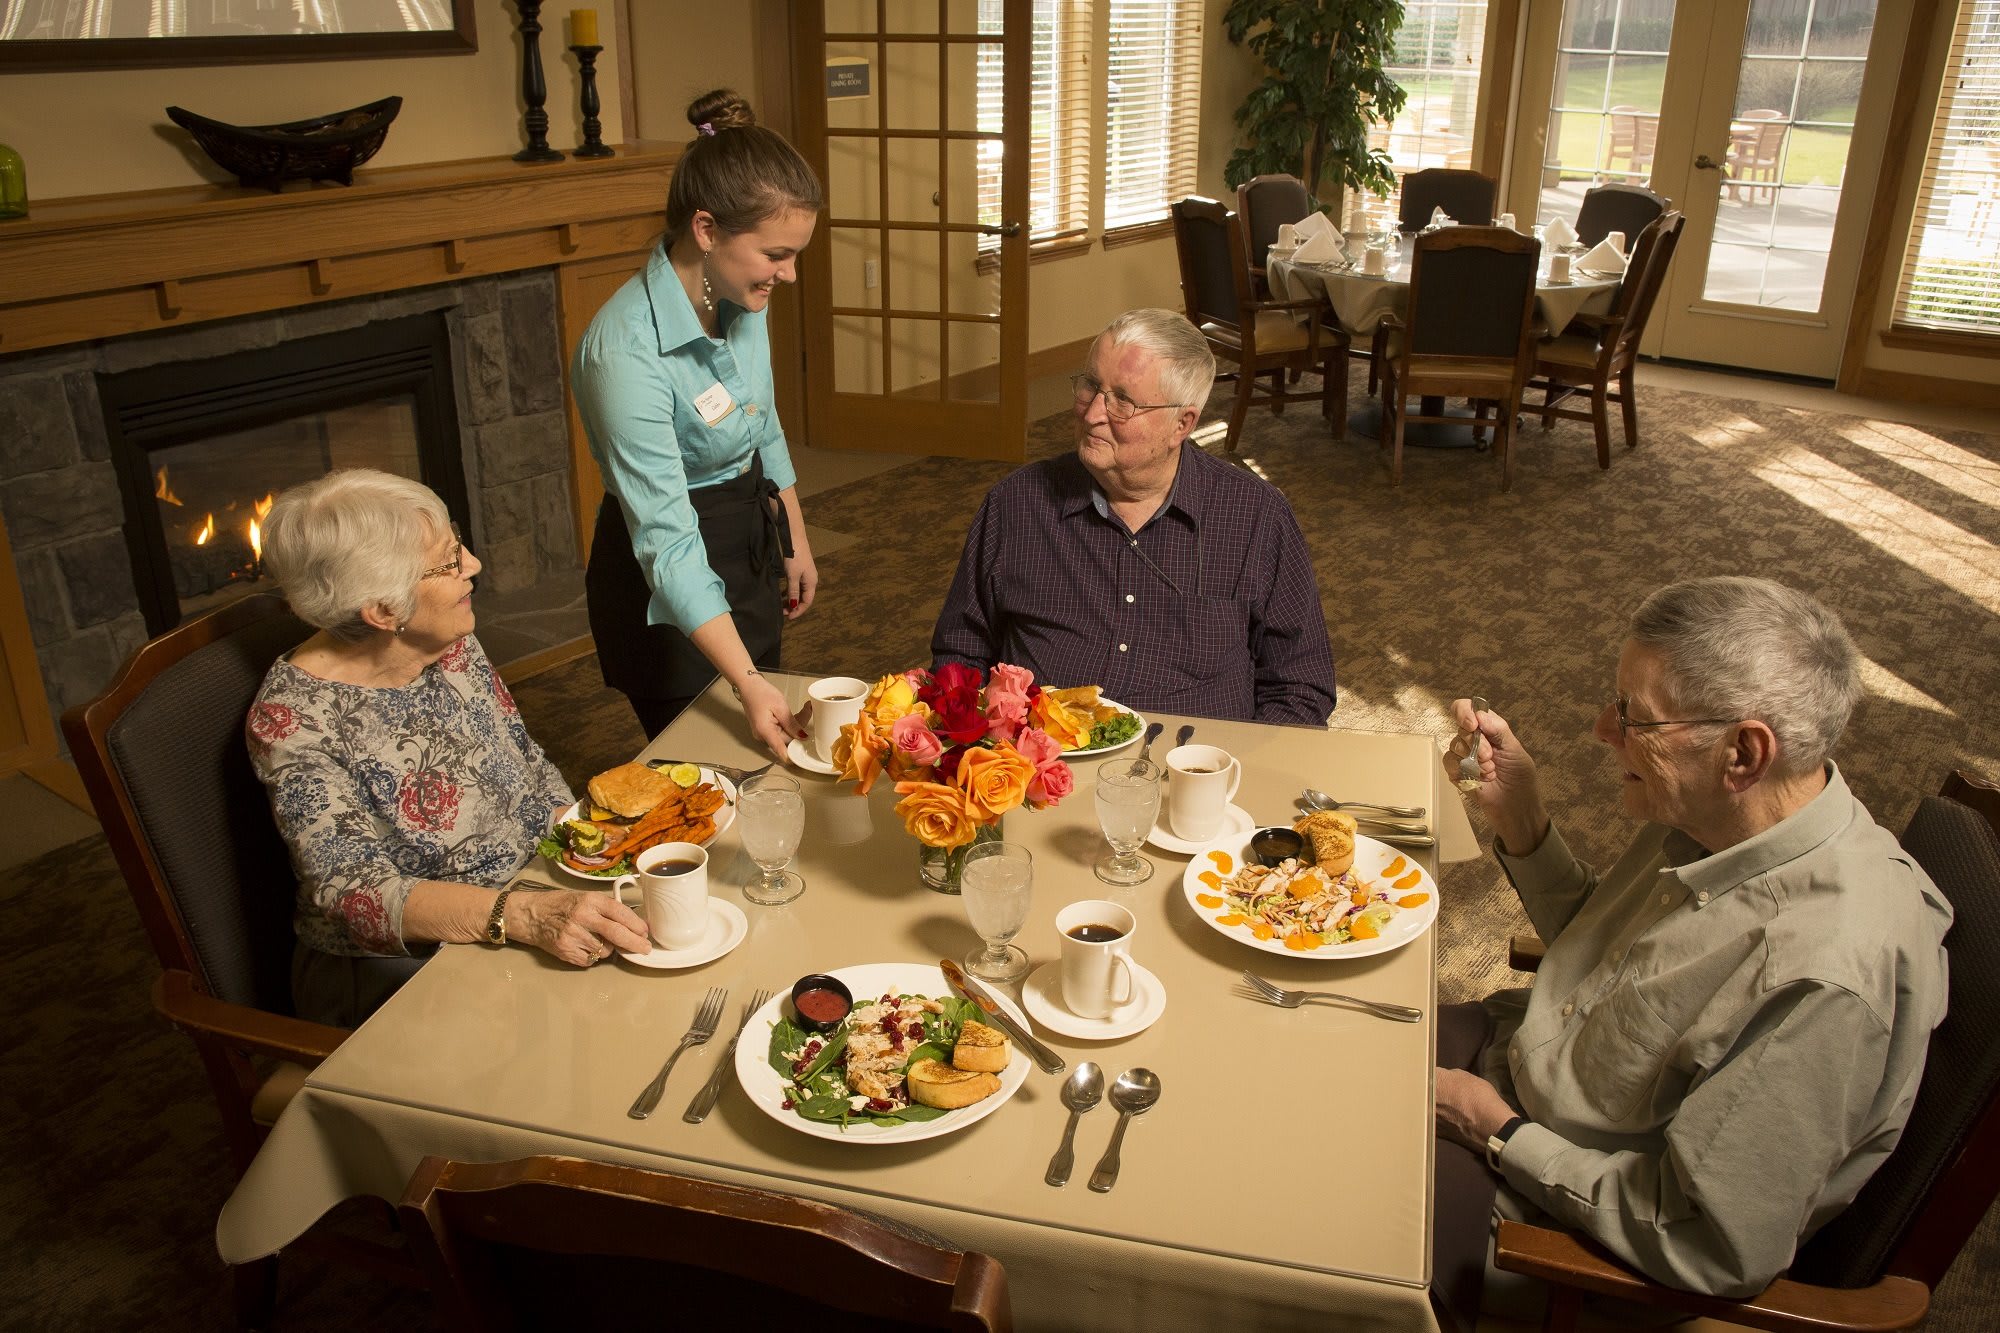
(1059,133)
(1153,104)
(1951,268)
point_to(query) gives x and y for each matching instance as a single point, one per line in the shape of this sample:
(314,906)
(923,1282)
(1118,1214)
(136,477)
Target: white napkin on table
(1440,218)
(1324,246)
(1603,258)
(1559,233)
(1312,224)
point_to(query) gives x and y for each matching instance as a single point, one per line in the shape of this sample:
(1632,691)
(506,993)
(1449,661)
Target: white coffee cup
(1288,239)
(1375,263)
(1201,782)
(1507,221)
(1096,968)
(672,880)
(1617,240)
(836,703)
(1558,267)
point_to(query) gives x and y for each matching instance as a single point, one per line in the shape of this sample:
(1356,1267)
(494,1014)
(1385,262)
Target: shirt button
(750,409)
(1121,647)
(1702,899)
(1128,596)
(1666,898)
(1569,1008)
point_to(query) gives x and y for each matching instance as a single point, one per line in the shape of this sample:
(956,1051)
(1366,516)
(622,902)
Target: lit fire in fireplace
(230,552)
(205,531)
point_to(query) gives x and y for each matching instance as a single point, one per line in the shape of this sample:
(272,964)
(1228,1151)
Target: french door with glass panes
(915,342)
(1762,120)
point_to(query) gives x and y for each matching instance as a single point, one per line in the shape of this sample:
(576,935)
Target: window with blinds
(1951,270)
(1152,108)
(1059,132)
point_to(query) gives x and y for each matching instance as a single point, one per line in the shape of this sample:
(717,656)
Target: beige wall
(106,131)
(681,50)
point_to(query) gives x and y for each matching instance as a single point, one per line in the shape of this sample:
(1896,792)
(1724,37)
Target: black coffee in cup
(1095,934)
(668,869)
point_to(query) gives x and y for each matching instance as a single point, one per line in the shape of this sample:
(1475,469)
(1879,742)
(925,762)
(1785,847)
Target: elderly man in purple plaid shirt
(1178,582)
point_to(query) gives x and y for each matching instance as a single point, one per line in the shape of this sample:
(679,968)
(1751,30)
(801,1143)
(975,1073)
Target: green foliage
(1323,86)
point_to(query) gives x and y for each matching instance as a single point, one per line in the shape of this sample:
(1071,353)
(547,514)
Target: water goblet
(1128,803)
(771,812)
(997,884)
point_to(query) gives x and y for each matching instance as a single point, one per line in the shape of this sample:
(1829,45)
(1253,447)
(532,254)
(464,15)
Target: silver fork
(700,1031)
(738,776)
(704,1101)
(1468,767)
(1292,999)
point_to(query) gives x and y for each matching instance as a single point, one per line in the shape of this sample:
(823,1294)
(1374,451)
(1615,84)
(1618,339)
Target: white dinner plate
(868,981)
(726,928)
(1127,743)
(1370,857)
(723,819)
(1235,820)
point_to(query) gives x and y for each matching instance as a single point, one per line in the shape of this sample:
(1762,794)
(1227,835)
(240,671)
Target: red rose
(271,723)
(952,678)
(429,799)
(960,720)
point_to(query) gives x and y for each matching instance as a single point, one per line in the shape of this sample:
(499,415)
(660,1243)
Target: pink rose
(914,740)
(1007,700)
(1050,785)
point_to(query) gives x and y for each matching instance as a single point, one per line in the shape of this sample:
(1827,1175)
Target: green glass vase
(13,184)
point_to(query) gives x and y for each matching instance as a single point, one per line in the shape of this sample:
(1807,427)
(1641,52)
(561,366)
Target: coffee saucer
(726,928)
(1041,995)
(1235,819)
(801,756)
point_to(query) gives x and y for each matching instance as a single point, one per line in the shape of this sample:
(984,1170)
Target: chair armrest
(1784,1306)
(1309,307)
(1524,952)
(254,1030)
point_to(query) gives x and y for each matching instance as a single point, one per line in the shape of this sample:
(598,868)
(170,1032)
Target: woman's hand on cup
(578,926)
(801,584)
(771,719)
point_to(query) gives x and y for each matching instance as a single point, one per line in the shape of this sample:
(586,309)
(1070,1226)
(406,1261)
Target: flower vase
(941,868)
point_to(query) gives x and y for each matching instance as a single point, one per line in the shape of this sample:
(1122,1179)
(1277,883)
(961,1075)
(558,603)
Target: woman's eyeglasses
(1116,405)
(452,566)
(1626,724)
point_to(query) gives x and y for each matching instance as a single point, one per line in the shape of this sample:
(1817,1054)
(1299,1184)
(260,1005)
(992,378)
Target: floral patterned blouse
(375,789)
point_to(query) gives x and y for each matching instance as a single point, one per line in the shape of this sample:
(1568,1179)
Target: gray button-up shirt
(1719,1049)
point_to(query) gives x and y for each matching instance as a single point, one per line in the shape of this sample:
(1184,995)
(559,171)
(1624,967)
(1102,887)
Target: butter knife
(969,989)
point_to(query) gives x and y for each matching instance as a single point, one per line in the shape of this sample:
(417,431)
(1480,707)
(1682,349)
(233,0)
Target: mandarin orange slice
(1413,900)
(1223,861)
(1208,900)
(1361,928)
(1411,880)
(1394,868)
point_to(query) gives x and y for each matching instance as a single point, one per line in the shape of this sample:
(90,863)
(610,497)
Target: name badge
(714,403)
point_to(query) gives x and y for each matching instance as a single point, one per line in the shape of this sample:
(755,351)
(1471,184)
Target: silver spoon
(1133,1094)
(1182,736)
(1319,800)
(1468,767)
(1081,1091)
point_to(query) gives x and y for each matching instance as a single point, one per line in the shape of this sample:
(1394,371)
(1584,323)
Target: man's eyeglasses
(450,567)
(1626,724)
(1116,405)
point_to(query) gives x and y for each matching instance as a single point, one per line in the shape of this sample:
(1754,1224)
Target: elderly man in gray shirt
(1727,1033)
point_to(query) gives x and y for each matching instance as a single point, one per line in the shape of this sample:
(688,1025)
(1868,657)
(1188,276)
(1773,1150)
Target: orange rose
(891,698)
(1070,729)
(994,781)
(936,815)
(859,754)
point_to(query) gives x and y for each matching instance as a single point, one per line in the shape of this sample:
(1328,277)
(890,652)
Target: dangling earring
(707,292)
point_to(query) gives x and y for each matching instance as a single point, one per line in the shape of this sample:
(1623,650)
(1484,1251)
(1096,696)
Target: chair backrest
(554,1242)
(1915,1214)
(162,755)
(1467,196)
(1472,293)
(1215,279)
(1262,204)
(1645,275)
(1614,207)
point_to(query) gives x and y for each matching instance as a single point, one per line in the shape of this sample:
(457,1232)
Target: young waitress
(700,554)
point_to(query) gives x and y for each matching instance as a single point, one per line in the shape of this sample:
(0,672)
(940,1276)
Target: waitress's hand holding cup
(1096,957)
(836,703)
(1201,782)
(672,881)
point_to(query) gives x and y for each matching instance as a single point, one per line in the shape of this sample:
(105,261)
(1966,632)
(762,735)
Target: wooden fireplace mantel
(101,266)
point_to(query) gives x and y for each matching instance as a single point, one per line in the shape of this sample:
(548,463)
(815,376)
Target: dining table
(1358,300)
(1282,1180)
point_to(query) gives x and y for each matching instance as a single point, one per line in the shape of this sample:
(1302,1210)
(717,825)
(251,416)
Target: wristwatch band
(1499,1140)
(496,920)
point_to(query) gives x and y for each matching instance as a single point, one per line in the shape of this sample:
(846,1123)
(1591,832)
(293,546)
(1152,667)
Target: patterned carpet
(1442,587)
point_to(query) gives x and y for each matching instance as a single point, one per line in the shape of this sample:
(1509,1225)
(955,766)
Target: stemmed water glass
(1128,802)
(772,813)
(997,883)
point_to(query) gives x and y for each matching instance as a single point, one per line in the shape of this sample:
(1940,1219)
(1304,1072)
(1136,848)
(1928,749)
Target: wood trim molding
(1496,86)
(1950,342)
(1873,382)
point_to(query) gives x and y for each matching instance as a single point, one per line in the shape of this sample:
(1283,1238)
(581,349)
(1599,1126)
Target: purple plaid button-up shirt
(1210,609)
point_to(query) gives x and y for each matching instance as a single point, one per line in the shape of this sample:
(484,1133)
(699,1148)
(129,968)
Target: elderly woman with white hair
(1727,1032)
(399,770)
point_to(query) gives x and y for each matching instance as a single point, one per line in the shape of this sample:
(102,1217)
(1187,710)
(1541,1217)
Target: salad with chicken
(858,1074)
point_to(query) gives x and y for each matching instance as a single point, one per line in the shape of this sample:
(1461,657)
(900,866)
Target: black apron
(747,540)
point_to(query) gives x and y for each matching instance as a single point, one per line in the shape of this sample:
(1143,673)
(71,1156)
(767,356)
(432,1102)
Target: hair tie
(707,127)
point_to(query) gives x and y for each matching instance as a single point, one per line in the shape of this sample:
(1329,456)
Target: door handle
(1707,163)
(1004,229)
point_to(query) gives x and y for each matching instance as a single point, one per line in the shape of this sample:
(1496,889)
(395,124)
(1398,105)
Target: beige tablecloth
(1359,301)
(1281,1182)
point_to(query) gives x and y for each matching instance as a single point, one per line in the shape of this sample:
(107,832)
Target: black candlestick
(593,145)
(534,91)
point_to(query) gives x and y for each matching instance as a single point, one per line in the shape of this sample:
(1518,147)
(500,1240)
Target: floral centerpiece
(962,751)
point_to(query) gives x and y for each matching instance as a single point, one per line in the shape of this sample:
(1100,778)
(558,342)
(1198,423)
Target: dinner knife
(968,989)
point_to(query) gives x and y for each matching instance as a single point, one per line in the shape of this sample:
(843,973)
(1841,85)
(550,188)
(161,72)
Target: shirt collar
(673,313)
(1190,488)
(1821,818)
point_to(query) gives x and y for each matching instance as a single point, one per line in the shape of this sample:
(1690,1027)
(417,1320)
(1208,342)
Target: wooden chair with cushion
(1260,337)
(1623,208)
(1595,349)
(1469,332)
(558,1243)
(1263,204)
(162,754)
(1466,197)
(1874,1265)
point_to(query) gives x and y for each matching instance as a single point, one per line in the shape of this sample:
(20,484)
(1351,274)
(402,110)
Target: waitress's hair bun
(735,170)
(720,110)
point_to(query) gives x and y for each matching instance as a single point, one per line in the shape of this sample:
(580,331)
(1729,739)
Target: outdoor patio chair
(1756,145)
(1633,135)
(1466,197)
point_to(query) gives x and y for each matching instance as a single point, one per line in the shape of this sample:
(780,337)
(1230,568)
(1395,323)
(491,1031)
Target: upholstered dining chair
(1585,357)
(1469,332)
(1621,208)
(1874,1265)
(1263,204)
(1259,337)
(555,1242)
(1466,197)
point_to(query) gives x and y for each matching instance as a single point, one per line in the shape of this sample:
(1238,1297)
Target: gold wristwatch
(496,920)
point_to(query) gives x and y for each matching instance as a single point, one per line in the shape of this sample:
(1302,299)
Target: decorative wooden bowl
(325,148)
